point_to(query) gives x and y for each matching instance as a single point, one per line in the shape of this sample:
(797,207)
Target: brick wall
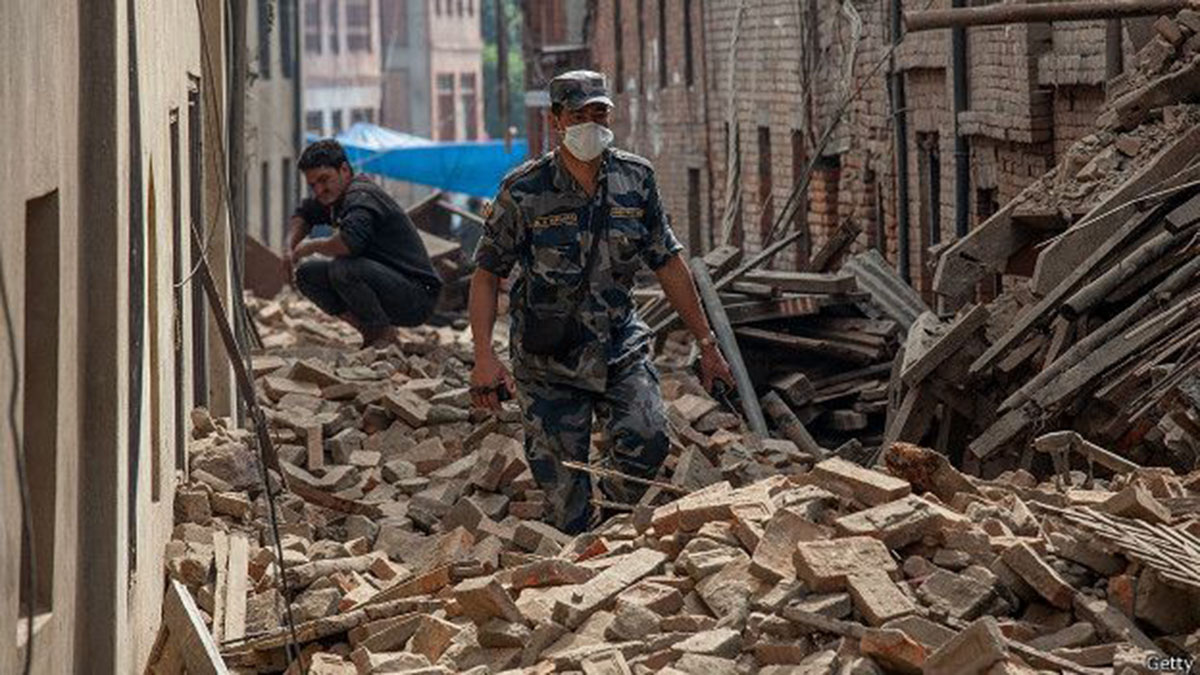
(1018,120)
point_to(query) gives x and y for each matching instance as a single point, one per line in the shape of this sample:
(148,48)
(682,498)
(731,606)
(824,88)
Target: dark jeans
(372,292)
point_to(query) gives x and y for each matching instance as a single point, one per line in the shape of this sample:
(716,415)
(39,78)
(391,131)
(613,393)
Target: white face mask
(586,141)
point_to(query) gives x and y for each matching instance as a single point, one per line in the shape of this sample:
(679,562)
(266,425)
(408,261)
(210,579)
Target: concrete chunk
(823,566)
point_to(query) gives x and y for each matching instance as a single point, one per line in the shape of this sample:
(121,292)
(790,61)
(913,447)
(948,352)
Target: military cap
(578,88)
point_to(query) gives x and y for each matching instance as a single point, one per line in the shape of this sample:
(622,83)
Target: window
(662,44)
(803,246)
(766,200)
(312,26)
(264,196)
(470,7)
(287,34)
(358,25)
(393,22)
(693,211)
(460,7)
(437,7)
(336,123)
(362,115)
(466,83)
(618,48)
(334,27)
(930,178)
(314,122)
(447,124)
(689,69)
(264,39)
(39,382)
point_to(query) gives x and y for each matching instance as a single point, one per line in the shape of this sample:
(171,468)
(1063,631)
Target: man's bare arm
(676,281)
(488,371)
(334,247)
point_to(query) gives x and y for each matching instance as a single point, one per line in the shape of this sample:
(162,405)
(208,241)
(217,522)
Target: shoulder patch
(524,169)
(627,156)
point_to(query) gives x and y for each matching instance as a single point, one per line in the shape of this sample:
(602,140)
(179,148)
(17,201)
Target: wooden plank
(722,259)
(879,370)
(1061,258)
(985,250)
(235,594)
(1060,333)
(755,289)
(950,342)
(1102,287)
(1021,354)
(881,327)
(790,425)
(846,352)
(804,282)
(794,387)
(1048,305)
(297,483)
(782,308)
(190,635)
(835,246)
(221,558)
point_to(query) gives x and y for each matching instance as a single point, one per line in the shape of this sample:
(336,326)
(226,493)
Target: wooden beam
(192,639)
(791,426)
(1040,12)
(1060,258)
(316,448)
(844,351)
(804,282)
(950,342)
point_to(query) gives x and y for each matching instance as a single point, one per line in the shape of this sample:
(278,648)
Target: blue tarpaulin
(471,167)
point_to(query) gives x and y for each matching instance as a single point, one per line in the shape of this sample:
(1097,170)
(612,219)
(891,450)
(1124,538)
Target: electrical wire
(27,539)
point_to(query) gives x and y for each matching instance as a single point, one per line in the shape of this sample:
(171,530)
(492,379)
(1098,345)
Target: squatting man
(373,272)
(581,220)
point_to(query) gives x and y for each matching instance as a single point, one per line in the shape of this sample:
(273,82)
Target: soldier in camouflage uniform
(546,216)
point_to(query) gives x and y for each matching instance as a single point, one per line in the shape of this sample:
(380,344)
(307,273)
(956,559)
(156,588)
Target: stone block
(1040,576)
(483,598)
(855,482)
(824,565)
(877,598)
(772,560)
(893,649)
(973,650)
(898,523)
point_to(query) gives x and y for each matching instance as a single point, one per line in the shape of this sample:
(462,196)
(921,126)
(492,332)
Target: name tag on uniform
(556,220)
(628,212)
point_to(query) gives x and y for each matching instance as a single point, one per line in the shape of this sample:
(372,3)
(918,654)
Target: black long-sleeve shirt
(374,226)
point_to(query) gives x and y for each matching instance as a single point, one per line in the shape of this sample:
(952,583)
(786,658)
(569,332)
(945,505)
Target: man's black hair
(556,109)
(324,153)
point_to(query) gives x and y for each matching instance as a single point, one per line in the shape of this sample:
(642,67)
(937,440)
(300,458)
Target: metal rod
(729,346)
(1041,12)
(611,473)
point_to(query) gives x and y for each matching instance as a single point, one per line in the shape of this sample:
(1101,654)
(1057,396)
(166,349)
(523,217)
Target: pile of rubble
(1095,331)
(412,542)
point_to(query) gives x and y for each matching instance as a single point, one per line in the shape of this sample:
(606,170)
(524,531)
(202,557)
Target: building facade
(272,119)
(433,68)
(733,101)
(115,111)
(341,65)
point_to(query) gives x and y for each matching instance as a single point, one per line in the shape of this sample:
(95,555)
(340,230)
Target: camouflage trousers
(558,423)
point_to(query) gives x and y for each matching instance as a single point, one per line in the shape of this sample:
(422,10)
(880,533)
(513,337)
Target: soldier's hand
(714,367)
(488,377)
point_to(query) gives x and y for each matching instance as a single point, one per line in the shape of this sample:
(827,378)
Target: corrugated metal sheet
(893,296)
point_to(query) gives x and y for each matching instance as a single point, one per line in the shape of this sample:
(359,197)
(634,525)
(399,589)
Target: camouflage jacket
(543,219)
